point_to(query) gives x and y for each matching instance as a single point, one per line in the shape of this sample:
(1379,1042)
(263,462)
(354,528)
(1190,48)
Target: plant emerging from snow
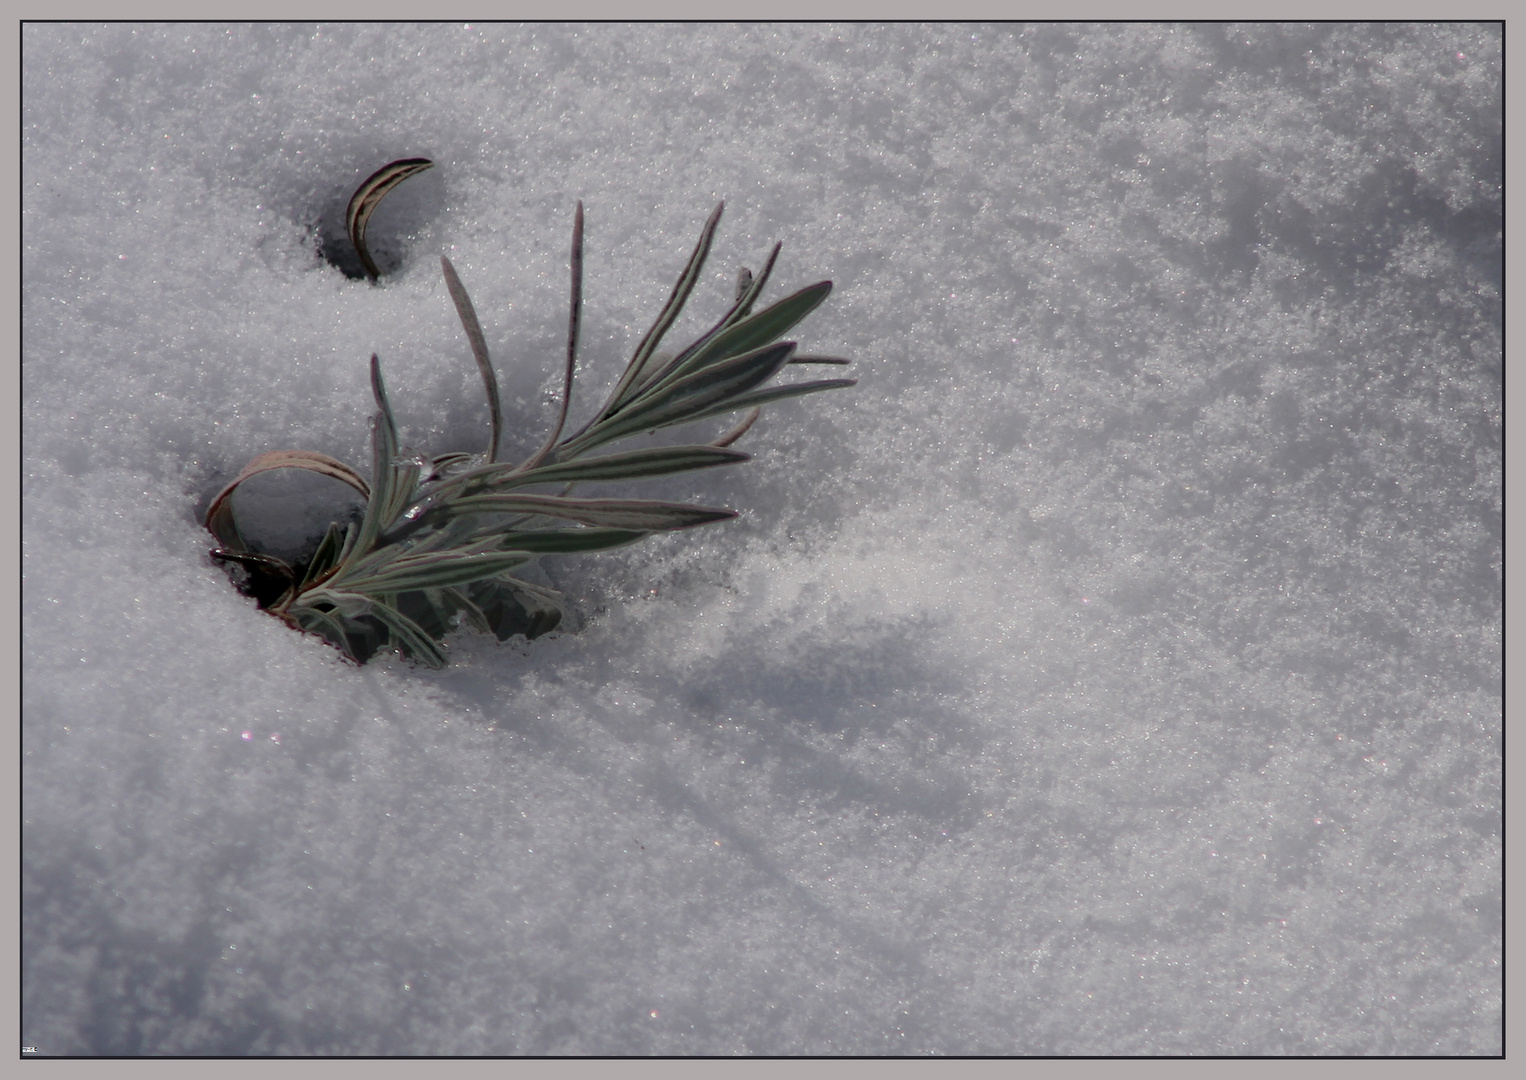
(440,537)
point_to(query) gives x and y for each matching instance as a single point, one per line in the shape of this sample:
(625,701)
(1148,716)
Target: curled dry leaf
(368,196)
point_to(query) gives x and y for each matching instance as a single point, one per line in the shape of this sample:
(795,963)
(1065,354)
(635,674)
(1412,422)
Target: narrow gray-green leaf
(463,604)
(325,557)
(403,475)
(405,484)
(567,541)
(435,571)
(350,605)
(410,635)
(366,565)
(741,429)
(739,311)
(368,196)
(455,539)
(775,393)
(670,311)
(468,316)
(351,534)
(685,399)
(446,462)
(523,589)
(574,320)
(658,461)
(323,623)
(379,392)
(383,450)
(452,534)
(642,514)
(753,332)
(743,306)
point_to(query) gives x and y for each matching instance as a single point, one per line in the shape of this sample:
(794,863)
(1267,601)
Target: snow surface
(1115,670)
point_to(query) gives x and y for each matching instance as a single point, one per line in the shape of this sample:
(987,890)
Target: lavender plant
(440,538)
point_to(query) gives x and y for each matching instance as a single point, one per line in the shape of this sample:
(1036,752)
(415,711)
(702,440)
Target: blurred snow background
(1115,670)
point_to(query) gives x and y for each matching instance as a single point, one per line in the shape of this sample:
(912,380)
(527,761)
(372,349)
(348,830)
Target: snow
(1115,670)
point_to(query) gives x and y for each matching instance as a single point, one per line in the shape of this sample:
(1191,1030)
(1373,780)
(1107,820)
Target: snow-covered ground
(1115,670)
